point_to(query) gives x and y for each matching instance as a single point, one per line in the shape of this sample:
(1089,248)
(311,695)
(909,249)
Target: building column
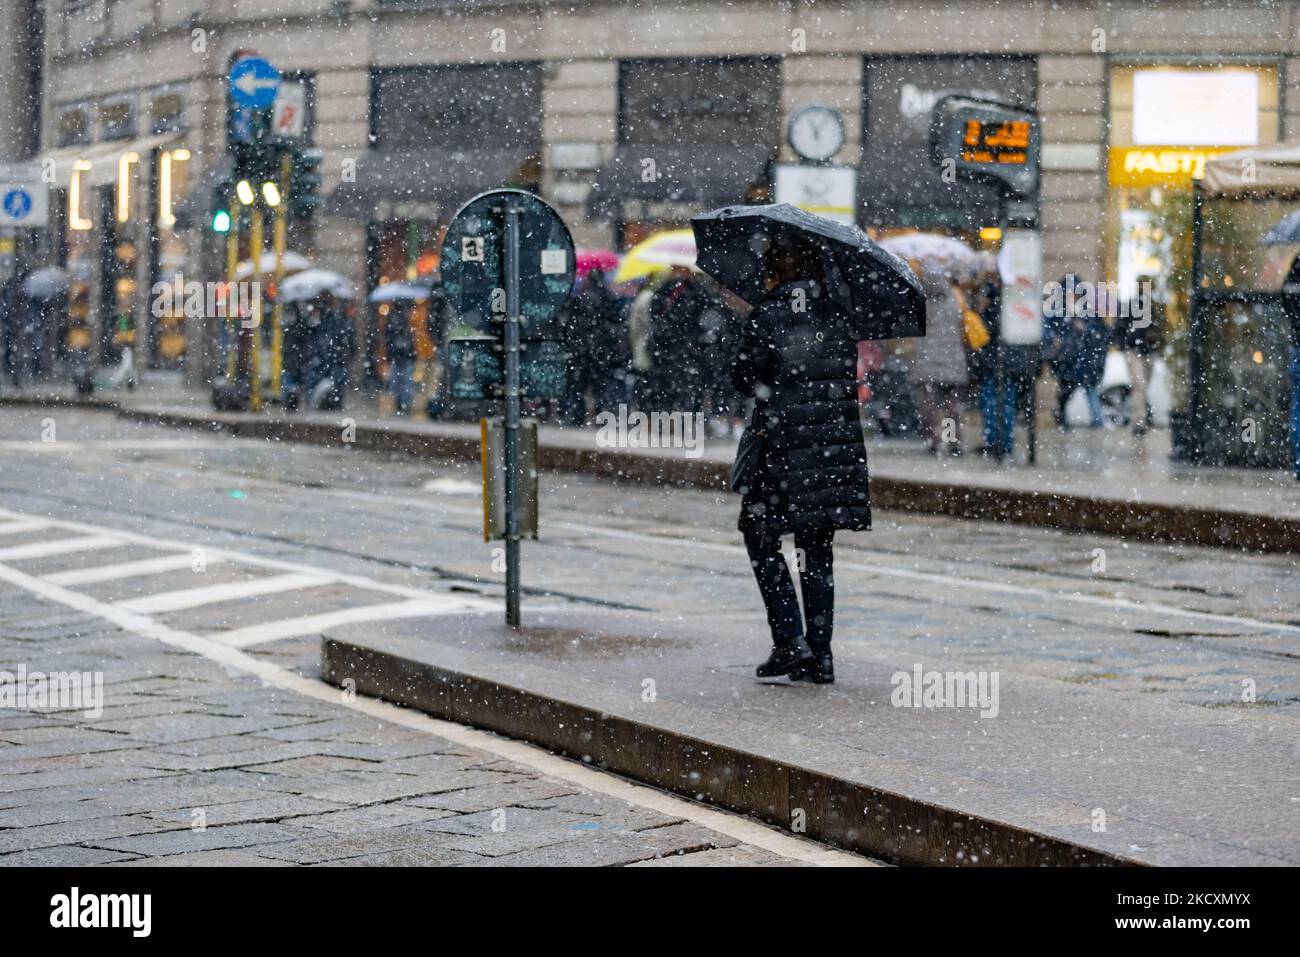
(833,80)
(342,134)
(579,135)
(1071,103)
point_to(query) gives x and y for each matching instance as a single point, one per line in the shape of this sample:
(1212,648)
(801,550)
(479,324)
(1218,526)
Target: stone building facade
(99,51)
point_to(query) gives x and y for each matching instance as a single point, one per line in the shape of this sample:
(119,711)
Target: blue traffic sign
(17,204)
(253,82)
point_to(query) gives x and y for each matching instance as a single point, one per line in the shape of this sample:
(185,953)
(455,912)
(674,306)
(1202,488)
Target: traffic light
(222,200)
(305,183)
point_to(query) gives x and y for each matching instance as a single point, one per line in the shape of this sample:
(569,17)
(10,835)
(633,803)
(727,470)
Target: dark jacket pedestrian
(678,371)
(797,357)
(1140,325)
(399,337)
(595,337)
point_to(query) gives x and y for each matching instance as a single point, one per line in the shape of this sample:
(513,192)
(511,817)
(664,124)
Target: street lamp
(244,190)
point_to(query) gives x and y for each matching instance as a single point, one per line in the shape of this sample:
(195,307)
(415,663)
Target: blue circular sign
(253,82)
(17,203)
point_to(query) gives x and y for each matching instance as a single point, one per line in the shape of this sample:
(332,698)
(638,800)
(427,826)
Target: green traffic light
(221,221)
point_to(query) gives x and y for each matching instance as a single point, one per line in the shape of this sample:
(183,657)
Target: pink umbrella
(586,259)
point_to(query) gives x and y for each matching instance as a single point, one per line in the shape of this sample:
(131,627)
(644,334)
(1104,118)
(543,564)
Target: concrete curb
(850,814)
(1175,524)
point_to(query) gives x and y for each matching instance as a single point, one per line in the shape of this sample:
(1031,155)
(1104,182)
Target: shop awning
(425,183)
(101,157)
(702,175)
(1265,169)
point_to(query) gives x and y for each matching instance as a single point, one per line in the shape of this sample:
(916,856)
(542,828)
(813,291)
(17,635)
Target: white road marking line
(61,546)
(14,528)
(115,445)
(247,558)
(145,566)
(309,624)
(184,598)
(730,825)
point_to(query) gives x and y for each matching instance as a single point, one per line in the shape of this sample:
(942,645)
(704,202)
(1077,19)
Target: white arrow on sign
(248,84)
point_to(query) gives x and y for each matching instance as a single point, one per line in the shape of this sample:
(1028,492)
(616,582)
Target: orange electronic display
(986,141)
(996,142)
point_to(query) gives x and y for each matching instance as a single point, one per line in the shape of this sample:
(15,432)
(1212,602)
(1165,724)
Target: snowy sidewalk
(1047,771)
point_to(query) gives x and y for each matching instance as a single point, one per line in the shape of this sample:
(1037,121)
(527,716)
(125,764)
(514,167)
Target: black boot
(819,670)
(785,658)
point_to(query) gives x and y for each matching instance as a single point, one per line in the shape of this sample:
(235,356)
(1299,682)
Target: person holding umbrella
(817,288)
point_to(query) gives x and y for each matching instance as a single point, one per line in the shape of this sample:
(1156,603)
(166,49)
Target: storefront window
(118,287)
(471,106)
(73,127)
(692,132)
(117,119)
(1165,122)
(171,256)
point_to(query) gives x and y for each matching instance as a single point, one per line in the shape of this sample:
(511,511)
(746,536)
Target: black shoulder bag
(749,456)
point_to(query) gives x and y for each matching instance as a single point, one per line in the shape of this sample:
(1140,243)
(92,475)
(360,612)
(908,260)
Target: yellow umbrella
(658,253)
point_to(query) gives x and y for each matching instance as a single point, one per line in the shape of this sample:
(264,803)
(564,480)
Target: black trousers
(813,558)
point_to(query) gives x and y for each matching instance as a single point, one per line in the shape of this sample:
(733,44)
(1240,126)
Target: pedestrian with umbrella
(817,288)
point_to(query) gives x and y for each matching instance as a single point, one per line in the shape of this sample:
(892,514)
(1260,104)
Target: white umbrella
(391,291)
(941,253)
(46,283)
(293,262)
(310,283)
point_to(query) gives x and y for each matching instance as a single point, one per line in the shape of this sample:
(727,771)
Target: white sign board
(1020,264)
(24,197)
(829,191)
(289,111)
(1218,107)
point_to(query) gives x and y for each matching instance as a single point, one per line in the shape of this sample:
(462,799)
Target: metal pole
(1031,404)
(277,307)
(1000,399)
(1196,329)
(512,412)
(232,320)
(255,343)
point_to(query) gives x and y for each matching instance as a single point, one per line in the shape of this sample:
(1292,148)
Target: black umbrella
(874,286)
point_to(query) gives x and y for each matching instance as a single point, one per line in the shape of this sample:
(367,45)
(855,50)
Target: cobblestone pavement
(196,573)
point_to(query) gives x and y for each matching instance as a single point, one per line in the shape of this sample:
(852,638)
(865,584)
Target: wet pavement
(1108,651)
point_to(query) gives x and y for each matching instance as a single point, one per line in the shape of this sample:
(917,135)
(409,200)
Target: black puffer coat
(801,367)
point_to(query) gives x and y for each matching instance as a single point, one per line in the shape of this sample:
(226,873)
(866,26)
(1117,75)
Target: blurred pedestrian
(399,345)
(11,323)
(1139,333)
(938,371)
(641,368)
(674,342)
(295,351)
(1077,347)
(333,350)
(1019,374)
(596,340)
(1291,309)
(438,318)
